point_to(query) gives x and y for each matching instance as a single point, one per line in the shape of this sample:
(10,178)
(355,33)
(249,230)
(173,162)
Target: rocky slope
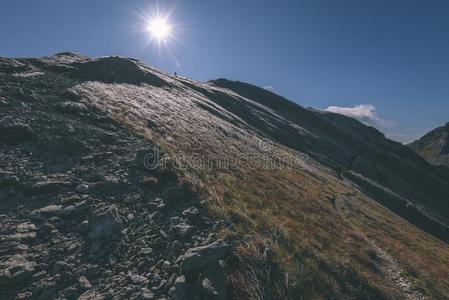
(434,146)
(120,181)
(84,209)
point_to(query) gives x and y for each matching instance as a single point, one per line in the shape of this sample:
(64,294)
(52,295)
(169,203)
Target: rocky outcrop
(115,69)
(206,267)
(201,257)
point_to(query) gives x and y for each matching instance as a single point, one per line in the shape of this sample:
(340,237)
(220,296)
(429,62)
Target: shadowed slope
(386,170)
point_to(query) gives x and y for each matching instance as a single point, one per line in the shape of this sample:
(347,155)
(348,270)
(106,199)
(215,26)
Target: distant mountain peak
(434,146)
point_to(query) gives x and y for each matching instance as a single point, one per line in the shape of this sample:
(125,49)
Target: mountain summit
(434,146)
(119,181)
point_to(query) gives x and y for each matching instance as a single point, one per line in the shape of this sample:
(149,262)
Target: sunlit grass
(289,237)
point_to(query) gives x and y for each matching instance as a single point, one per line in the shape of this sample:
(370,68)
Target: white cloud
(268,87)
(365,113)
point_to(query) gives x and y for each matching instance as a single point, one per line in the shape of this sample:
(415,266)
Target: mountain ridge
(314,195)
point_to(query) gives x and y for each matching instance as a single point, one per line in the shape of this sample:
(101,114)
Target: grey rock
(213,281)
(59,267)
(105,225)
(160,286)
(198,258)
(26,227)
(62,210)
(179,290)
(146,251)
(137,279)
(208,288)
(84,283)
(165,266)
(39,275)
(156,280)
(15,270)
(152,206)
(104,229)
(182,229)
(24,296)
(191,212)
(82,188)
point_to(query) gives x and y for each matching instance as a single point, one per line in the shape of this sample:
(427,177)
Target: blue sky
(384,60)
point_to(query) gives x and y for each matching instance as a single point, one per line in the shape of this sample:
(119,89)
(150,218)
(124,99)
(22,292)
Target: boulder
(84,283)
(82,189)
(213,281)
(104,230)
(195,259)
(205,265)
(15,270)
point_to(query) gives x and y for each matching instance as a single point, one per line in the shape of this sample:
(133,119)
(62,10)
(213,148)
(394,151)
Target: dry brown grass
(321,249)
(290,239)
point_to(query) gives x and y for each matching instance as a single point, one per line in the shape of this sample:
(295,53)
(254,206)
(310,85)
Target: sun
(159,28)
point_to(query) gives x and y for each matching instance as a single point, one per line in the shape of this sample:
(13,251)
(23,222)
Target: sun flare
(159,28)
